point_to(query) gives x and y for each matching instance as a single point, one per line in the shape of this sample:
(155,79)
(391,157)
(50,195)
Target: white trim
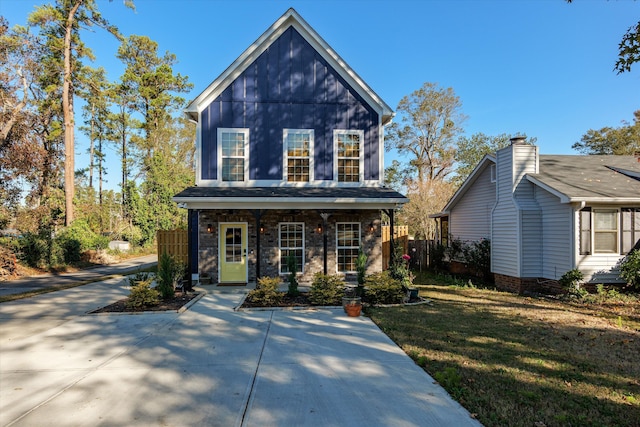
(244,131)
(347,247)
(285,157)
(494,173)
(291,18)
(593,230)
(360,134)
(280,224)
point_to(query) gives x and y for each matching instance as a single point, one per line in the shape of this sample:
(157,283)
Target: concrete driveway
(207,366)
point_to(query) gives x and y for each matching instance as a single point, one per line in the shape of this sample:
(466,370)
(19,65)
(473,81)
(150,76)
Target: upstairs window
(298,155)
(233,149)
(348,155)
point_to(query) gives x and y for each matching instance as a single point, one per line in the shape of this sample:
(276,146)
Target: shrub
(570,281)
(381,288)
(266,292)
(477,255)
(438,253)
(292,265)
(630,269)
(34,250)
(326,289)
(170,273)
(142,295)
(78,238)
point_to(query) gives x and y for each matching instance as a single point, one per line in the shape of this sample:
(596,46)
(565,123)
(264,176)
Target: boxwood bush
(326,289)
(266,292)
(381,288)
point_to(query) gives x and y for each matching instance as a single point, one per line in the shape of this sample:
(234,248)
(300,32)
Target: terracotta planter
(352,306)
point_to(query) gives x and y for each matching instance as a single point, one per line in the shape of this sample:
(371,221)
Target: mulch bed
(301,300)
(176,303)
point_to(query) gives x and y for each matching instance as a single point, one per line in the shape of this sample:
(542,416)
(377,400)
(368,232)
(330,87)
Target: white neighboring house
(548,214)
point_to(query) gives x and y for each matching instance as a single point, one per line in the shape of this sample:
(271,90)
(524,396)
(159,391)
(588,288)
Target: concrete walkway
(207,366)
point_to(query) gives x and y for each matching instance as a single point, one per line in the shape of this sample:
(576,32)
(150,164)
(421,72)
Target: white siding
(557,235)
(470,219)
(530,237)
(504,237)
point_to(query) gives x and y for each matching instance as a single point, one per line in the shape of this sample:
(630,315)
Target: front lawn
(523,361)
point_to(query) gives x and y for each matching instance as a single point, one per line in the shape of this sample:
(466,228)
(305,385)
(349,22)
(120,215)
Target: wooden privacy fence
(400,236)
(175,243)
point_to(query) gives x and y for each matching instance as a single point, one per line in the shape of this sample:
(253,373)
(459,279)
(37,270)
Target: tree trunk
(67,111)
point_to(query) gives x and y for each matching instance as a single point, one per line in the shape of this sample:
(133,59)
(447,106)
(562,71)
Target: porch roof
(289,198)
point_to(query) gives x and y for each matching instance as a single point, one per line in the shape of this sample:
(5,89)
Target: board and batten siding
(289,86)
(557,234)
(470,219)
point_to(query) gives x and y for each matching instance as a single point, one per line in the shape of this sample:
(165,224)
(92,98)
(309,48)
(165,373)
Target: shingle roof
(339,197)
(589,178)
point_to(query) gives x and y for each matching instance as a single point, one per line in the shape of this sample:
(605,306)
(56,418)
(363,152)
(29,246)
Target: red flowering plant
(399,269)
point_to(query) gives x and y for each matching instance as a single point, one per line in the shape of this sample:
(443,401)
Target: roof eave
(289,203)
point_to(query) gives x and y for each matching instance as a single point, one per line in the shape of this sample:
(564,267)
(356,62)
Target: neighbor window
(348,154)
(630,228)
(291,243)
(608,231)
(298,155)
(233,149)
(605,230)
(348,244)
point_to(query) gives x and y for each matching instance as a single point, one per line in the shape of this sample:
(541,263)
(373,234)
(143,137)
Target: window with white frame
(298,155)
(609,230)
(291,244)
(605,230)
(348,154)
(233,150)
(348,245)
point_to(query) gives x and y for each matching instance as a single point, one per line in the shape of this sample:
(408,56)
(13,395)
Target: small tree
(292,265)
(361,269)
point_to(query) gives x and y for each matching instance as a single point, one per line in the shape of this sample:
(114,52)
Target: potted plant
(352,303)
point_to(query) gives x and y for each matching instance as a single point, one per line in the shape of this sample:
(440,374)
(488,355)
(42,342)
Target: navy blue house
(289,163)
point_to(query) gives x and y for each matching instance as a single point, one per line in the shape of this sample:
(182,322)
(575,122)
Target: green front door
(233,253)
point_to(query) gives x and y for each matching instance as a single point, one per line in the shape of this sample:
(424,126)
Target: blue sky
(542,67)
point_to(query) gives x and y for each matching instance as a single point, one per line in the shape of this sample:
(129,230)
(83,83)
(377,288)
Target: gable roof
(579,178)
(291,18)
(486,162)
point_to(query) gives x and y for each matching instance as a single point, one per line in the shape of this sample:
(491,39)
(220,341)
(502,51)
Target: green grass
(522,361)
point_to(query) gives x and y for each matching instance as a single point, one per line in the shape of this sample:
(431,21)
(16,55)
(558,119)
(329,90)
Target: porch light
(372,227)
(319,229)
(262,229)
(209,228)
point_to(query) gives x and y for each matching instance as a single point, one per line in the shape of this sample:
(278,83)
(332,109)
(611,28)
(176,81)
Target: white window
(298,155)
(233,150)
(348,244)
(291,244)
(348,155)
(493,172)
(605,230)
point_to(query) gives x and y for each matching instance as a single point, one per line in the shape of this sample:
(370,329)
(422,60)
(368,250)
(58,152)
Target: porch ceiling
(289,198)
